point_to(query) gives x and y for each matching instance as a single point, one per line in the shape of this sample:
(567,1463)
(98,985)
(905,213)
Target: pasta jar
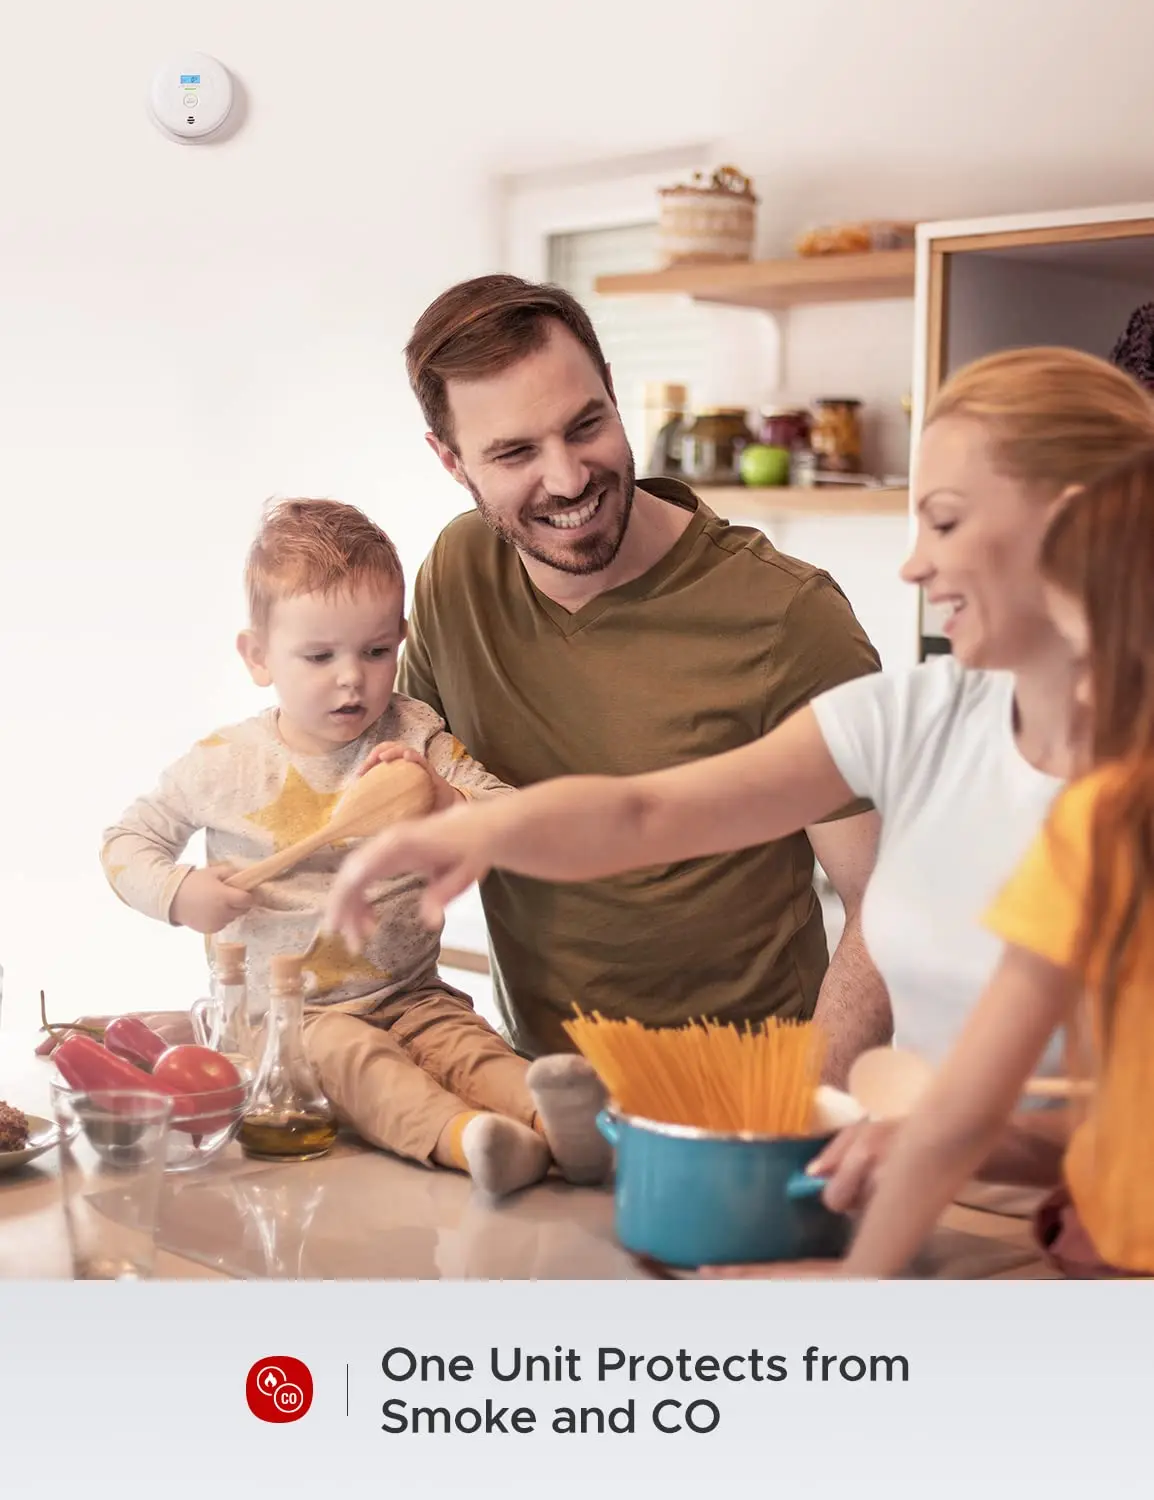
(712,444)
(835,436)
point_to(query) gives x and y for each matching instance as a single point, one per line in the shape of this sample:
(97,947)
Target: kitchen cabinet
(981,285)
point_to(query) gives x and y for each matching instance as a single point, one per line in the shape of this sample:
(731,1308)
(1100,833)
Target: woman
(961,756)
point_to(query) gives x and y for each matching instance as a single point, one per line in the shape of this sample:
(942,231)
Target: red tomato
(187,1071)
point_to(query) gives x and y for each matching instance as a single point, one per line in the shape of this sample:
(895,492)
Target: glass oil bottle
(288,1118)
(235,1036)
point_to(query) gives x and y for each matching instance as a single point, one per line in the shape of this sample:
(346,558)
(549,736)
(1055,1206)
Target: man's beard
(591,554)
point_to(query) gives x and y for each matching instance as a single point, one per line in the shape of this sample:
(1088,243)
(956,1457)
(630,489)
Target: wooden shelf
(468,959)
(821,500)
(776,284)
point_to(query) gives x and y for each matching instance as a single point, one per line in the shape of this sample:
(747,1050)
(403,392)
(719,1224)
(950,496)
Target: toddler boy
(402,1055)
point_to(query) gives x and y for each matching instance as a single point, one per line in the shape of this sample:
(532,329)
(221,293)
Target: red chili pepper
(87,1065)
(128,1037)
(50,1043)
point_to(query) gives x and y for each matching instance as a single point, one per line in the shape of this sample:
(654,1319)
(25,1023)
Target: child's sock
(449,1152)
(568,1094)
(502,1155)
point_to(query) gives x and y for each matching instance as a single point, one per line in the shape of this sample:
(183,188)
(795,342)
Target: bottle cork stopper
(285,970)
(230,957)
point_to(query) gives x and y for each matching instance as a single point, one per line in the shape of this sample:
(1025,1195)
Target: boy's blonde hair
(315,547)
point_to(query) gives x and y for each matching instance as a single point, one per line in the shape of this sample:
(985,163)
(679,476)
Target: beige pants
(399,1076)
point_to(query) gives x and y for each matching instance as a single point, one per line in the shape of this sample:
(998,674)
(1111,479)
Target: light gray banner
(913,1390)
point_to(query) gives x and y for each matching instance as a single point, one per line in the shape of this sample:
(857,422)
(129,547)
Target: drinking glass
(112,1155)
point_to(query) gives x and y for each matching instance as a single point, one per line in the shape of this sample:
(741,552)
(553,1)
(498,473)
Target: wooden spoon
(888,1083)
(391,791)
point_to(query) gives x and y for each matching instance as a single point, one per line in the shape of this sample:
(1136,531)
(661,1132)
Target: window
(645,338)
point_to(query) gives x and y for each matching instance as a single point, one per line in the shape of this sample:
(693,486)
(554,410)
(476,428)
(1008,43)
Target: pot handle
(608,1127)
(802,1185)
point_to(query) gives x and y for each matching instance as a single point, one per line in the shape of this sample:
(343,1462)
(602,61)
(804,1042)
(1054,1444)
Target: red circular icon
(279,1388)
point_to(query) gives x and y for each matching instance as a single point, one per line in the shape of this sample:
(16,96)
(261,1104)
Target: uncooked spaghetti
(707,1074)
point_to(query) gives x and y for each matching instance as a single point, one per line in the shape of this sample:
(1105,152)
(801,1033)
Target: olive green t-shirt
(719,641)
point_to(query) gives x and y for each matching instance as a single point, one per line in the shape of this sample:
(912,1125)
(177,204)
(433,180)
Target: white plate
(42,1136)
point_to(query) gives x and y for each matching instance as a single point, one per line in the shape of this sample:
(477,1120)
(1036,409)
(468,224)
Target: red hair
(315,547)
(1099,551)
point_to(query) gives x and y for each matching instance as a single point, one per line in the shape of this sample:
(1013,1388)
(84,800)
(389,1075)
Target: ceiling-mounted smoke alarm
(191,97)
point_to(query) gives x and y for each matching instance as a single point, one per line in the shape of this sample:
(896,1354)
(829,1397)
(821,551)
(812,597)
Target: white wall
(184,331)
(864,351)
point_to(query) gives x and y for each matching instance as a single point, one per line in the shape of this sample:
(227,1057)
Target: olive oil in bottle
(289,1118)
(270,1137)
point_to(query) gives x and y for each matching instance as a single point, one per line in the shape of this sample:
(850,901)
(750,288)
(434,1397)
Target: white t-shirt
(933,749)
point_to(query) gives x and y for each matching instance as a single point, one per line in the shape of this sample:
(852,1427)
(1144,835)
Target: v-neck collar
(673,492)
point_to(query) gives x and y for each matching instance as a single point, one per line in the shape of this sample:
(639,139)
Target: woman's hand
(447,850)
(851,1162)
(444,795)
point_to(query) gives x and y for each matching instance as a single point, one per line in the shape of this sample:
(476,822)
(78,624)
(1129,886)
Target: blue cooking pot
(690,1197)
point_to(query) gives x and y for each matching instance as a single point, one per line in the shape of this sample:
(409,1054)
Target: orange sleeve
(1040,907)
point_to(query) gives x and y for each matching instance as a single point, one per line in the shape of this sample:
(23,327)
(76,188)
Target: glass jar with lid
(666,404)
(712,444)
(836,435)
(785,427)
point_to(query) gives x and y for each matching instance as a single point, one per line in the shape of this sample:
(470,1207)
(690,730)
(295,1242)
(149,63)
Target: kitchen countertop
(361,1213)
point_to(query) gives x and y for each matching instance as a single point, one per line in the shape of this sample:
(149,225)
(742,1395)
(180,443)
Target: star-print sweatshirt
(253,796)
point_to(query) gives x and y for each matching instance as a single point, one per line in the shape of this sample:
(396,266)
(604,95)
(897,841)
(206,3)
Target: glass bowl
(199,1128)
(202,1125)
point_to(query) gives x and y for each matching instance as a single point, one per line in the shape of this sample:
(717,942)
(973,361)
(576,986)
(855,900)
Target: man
(577,622)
